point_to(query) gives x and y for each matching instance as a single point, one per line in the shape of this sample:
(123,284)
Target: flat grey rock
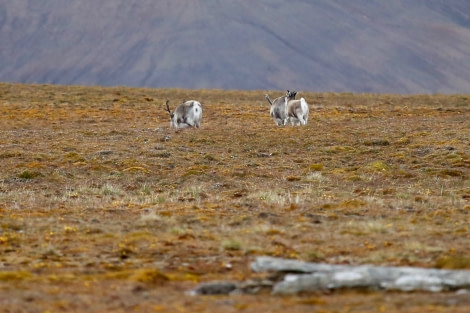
(304,276)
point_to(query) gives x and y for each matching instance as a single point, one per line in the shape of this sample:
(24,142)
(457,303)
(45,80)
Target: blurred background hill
(336,45)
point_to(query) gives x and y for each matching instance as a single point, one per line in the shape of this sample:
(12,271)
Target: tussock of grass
(28,174)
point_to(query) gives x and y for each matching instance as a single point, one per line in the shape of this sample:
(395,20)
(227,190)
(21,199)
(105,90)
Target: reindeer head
(291,94)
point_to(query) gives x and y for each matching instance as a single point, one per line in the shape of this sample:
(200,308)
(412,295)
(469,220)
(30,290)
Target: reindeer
(296,110)
(187,114)
(278,110)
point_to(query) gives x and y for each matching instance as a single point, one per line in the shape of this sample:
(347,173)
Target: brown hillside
(410,47)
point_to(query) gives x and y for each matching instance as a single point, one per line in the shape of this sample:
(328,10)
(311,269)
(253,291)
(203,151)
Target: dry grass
(105,209)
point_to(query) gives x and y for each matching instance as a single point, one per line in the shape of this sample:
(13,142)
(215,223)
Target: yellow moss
(165,213)
(195,170)
(274,231)
(149,276)
(15,276)
(453,262)
(74,157)
(231,244)
(69,229)
(403,141)
(378,166)
(354,178)
(316,167)
(338,149)
(137,168)
(117,274)
(34,164)
(354,203)
(139,235)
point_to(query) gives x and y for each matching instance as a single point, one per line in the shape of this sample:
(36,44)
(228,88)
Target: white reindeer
(278,108)
(187,114)
(296,110)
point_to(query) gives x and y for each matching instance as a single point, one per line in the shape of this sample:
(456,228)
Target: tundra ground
(104,208)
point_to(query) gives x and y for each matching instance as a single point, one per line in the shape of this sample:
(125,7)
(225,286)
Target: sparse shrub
(27,174)
(146,190)
(109,190)
(315,177)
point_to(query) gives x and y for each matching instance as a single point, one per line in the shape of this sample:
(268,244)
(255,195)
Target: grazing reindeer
(296,110)
(187,114)
(278,110)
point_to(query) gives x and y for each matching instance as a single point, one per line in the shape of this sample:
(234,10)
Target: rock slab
(304,276)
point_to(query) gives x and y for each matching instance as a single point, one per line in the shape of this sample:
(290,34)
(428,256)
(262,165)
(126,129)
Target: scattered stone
(377,142)
(164,154)
(105,152)
(215,288)
(254,286)
(264,215)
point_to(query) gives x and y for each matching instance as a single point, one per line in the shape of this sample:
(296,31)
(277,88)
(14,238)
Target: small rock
(105,152)
(215,288)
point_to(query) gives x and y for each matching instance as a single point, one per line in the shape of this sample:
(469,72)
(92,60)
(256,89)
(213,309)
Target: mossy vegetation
(101,200)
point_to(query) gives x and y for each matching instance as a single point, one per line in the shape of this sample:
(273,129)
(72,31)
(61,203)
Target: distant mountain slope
(336,45)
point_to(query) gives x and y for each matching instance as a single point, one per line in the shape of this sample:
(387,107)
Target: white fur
(187,114)
(297,111)
(278,108)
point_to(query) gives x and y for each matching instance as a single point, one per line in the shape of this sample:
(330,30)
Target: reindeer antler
(269,99)
(168,107)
